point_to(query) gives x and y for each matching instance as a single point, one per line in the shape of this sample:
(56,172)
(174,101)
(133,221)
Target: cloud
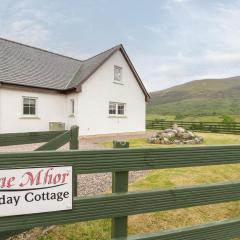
(171,41)
(23,24)
(27,31)
(193,41)
(222,57)
(180,1)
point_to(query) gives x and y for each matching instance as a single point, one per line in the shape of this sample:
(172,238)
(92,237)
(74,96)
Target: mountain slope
(199,97)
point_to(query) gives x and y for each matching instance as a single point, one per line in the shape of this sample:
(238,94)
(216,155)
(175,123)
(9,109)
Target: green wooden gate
(120,204)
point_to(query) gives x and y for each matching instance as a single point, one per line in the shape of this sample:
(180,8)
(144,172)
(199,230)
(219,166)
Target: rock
(186,136)
(198,140)
(168,130)
(180,130)
(175,131)
(166,140)
(189,142)
(175,135)
(168,134)
(175,126)
(191,134)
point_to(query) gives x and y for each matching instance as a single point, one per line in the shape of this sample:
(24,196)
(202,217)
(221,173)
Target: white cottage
(41,90)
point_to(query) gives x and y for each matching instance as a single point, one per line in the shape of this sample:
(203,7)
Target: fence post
(74,138)
(74,145)
(120,185)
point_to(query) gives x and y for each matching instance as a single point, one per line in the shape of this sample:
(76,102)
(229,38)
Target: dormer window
(117,73)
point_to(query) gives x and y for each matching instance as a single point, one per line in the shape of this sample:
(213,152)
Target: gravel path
(93,184)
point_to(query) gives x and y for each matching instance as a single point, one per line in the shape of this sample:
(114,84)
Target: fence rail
(54,140)
(216,127)
(8,139)
(120,204)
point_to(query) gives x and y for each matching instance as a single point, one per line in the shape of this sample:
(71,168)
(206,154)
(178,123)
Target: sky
(169,41)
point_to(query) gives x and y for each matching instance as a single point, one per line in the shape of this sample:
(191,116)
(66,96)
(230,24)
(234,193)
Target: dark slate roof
(24,65)
(28,66)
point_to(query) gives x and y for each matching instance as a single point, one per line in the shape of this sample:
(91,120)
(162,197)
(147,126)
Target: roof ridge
(117,46)
(40,49)
(69,82)
(73,77)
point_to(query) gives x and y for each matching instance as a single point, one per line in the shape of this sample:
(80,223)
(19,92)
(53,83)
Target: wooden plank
(221,230)
(26,138)
(117,160)
(56,142)
(74,145)
(74,142)
(122,204)
(119,185)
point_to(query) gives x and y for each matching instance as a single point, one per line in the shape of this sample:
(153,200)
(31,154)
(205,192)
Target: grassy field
(153,222)
(209,139)
(215,118)
(205,97)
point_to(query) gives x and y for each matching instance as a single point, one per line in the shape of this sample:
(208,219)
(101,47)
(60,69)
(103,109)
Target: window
(117,109)
(29,106)
(112,108)
(72,106)
(117,73)
(120,108)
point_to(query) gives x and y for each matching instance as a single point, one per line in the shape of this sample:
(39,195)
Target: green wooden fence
(120,204)
(216,127)
(52,141)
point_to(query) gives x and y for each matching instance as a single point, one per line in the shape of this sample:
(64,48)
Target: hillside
(199,97)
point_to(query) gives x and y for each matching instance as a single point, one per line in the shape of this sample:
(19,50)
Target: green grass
(154,222)
(211,118)
(206,97)
(158,116)
(209,139)
(196,106)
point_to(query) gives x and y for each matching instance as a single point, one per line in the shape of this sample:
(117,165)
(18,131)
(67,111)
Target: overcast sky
(169,41)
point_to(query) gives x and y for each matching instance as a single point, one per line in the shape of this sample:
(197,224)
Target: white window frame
(36,107)
(117,104)
(116,79)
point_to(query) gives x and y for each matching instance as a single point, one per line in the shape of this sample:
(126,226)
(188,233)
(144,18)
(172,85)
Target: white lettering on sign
(35,190)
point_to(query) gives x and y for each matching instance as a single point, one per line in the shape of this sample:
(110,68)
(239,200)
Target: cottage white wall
(91,105)
(50,108)
(72,119)
(99,90)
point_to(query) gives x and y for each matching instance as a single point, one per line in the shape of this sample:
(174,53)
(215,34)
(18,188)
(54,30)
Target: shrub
(227,119)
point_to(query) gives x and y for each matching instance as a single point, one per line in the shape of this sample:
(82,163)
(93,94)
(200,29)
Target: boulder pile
(175,135)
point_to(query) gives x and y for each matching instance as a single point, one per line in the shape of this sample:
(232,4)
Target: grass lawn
(209,139)
(154,222)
